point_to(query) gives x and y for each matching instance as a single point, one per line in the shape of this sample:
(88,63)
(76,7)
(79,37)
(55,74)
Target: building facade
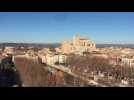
(50,57)
(78,45)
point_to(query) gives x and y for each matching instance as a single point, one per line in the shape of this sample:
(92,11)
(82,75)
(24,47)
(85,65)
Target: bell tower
(76,39)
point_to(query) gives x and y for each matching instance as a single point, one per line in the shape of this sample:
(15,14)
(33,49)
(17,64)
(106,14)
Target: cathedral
(78,45)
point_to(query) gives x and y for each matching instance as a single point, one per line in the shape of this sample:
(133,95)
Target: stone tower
(76,40)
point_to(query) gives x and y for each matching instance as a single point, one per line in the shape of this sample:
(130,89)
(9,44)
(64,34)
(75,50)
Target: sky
(51,27)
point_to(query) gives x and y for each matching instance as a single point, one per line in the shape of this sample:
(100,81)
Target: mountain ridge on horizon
(43,45)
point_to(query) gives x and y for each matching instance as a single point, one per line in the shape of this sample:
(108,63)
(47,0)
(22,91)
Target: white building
(53,58)
(9,50)
(62,58)
(127,62)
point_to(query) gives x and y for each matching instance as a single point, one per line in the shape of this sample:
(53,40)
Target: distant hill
(115,45)
(36,45)
(54,45)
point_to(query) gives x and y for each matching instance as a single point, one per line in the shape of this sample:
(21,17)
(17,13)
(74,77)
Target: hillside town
(79,57)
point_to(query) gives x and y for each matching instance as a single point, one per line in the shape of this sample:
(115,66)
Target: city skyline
(55,27)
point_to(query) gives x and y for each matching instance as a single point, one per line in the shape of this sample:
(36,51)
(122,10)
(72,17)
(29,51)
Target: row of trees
(89,64)
(34,74)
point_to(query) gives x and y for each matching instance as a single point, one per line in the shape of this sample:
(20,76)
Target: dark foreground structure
(9,76)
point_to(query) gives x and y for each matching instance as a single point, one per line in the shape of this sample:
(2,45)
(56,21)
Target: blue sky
(49,27)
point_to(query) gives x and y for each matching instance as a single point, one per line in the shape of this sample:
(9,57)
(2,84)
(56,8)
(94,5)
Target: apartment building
(50,57)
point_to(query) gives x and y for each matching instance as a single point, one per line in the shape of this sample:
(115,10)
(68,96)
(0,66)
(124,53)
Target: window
(84,43)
